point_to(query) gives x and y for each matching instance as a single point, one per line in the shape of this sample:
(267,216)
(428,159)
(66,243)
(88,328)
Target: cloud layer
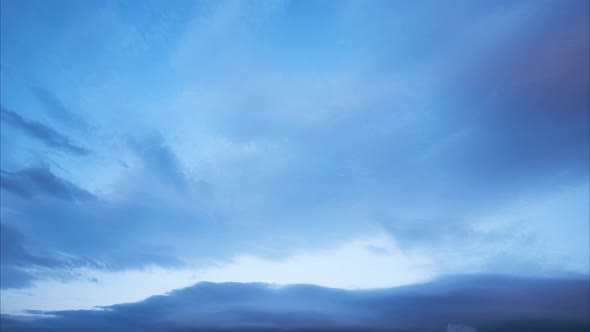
(249,137)
(487,302)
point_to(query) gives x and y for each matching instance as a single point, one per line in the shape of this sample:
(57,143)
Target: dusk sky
(344,151)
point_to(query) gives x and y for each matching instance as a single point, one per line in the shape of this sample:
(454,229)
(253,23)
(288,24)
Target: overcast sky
(351,144)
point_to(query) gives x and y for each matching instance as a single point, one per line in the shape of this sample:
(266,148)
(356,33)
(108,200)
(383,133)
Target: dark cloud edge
(487,302)
(43,133)
(40,180)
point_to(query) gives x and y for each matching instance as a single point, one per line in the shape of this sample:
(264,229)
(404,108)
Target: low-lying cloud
(487,302)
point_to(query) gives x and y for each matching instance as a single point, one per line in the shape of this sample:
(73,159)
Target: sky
(352,146)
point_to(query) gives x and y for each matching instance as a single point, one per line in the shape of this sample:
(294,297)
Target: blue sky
(347,144)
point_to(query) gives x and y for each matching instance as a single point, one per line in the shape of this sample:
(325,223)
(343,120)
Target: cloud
(20,268)
(43,133)
(85,230)
(75,229)
(13,255)
(480,105)
(39,180)
(160,164)
(15,278)
(524,98)
(57,109)
(486,302)
(70,221)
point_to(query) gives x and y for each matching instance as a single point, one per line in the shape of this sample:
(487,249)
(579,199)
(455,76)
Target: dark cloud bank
(487,302)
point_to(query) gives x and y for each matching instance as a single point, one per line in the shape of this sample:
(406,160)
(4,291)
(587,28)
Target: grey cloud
(136,227)
(15,278)
(19,267)
(85,230)
(489,303)
(148,223)
(13,254)
(160,163)
(34,181)
(43,133)
(527,97)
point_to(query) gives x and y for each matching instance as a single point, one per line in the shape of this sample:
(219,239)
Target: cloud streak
(43,133)
(57,109)
(32,181)
(19,267)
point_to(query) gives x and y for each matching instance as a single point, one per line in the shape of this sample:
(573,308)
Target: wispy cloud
(20,268)
(57,109)
(43,133)
(32,181)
